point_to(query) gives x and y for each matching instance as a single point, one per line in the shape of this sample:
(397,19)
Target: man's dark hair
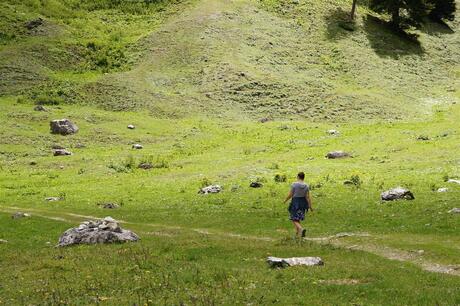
(301,175)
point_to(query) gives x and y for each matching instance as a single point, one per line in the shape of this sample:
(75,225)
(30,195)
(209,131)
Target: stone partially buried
(63,127)
(276,262)
(398,193)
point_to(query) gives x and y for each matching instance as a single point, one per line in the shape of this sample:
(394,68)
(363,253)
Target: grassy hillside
(239,59)
(194,76)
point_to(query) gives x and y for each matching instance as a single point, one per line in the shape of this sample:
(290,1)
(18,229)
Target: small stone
(337,154)
(256,185)
(454,211)
(423,137)
(276,262)
(131,127)
(145,166)
(63,127)
(453,181)
(109,205)
(263,120)
(333,132)
(40,108)
(397,194)
(210,189)
(61,152)
(137,146)
(3,241)
(444,189)
(19,215)
(53,199)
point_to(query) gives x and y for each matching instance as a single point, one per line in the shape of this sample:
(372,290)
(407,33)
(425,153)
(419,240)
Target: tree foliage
(406,13)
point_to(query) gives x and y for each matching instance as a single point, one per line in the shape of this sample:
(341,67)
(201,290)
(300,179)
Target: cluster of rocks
(276,262)
(106,230)
(210,189)
(397,193)
(63,127)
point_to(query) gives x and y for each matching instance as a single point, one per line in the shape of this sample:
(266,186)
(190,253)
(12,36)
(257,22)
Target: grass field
(194,77)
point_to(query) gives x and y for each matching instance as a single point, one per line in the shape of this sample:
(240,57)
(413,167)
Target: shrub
(280,178)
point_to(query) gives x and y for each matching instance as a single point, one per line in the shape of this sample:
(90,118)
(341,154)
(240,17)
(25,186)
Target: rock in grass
(3,241)
(39,108)
(337,154)
(53,199)
(397,193)
(137,146)
(256,185)
(35,23)
(210,189)
(454,211)
(131,127)
(61,152)
(19,215)
(106,230)
(145,166)
(453,181)
(276,262)
(333,132)
(63,127)
(263,120)
(109,205)
(443,189)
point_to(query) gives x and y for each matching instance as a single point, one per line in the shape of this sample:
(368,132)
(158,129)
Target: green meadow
(195,78)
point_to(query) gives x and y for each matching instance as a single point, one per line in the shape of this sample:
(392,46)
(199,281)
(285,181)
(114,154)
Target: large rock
(397,193)
(63,127)
(337,154)
(210,189)
(106,230)
(276,262)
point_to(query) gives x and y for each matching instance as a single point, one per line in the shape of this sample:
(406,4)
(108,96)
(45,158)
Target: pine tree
(402,12)
(442,9)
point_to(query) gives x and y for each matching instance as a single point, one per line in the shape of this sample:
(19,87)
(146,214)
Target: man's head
(301,176)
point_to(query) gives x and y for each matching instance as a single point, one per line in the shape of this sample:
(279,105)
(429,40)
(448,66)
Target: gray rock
(131,127)
(137,146)
(276,262)
(106,230)
(109,205)
(40,108)
(453,181)
(63,127)
(145,166)
(333,132)
(256,185)
(443,189)
(61,152)
(454,211)
(337,154)
(397,194)
(53,199)
(210,189)
(3,241)
(19,215)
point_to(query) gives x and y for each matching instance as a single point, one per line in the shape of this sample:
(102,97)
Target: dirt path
(337,240)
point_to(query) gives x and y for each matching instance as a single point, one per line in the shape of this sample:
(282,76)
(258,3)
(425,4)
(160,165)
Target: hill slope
(237,59)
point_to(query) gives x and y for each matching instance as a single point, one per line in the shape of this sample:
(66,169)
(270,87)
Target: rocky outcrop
(276,262)
(397,193)
(106,230)
(63,127)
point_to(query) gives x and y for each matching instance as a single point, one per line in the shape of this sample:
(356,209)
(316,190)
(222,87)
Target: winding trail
(334,240)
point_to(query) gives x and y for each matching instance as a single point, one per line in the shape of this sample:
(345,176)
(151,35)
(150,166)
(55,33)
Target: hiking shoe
(304,233)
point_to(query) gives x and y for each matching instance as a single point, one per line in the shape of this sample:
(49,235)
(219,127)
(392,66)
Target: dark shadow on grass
(387,41)
(436,27)
(339,24)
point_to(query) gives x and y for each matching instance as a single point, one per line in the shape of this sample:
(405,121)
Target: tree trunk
(353,10)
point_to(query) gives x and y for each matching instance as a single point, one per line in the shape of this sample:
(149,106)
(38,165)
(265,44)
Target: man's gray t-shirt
(299,190)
